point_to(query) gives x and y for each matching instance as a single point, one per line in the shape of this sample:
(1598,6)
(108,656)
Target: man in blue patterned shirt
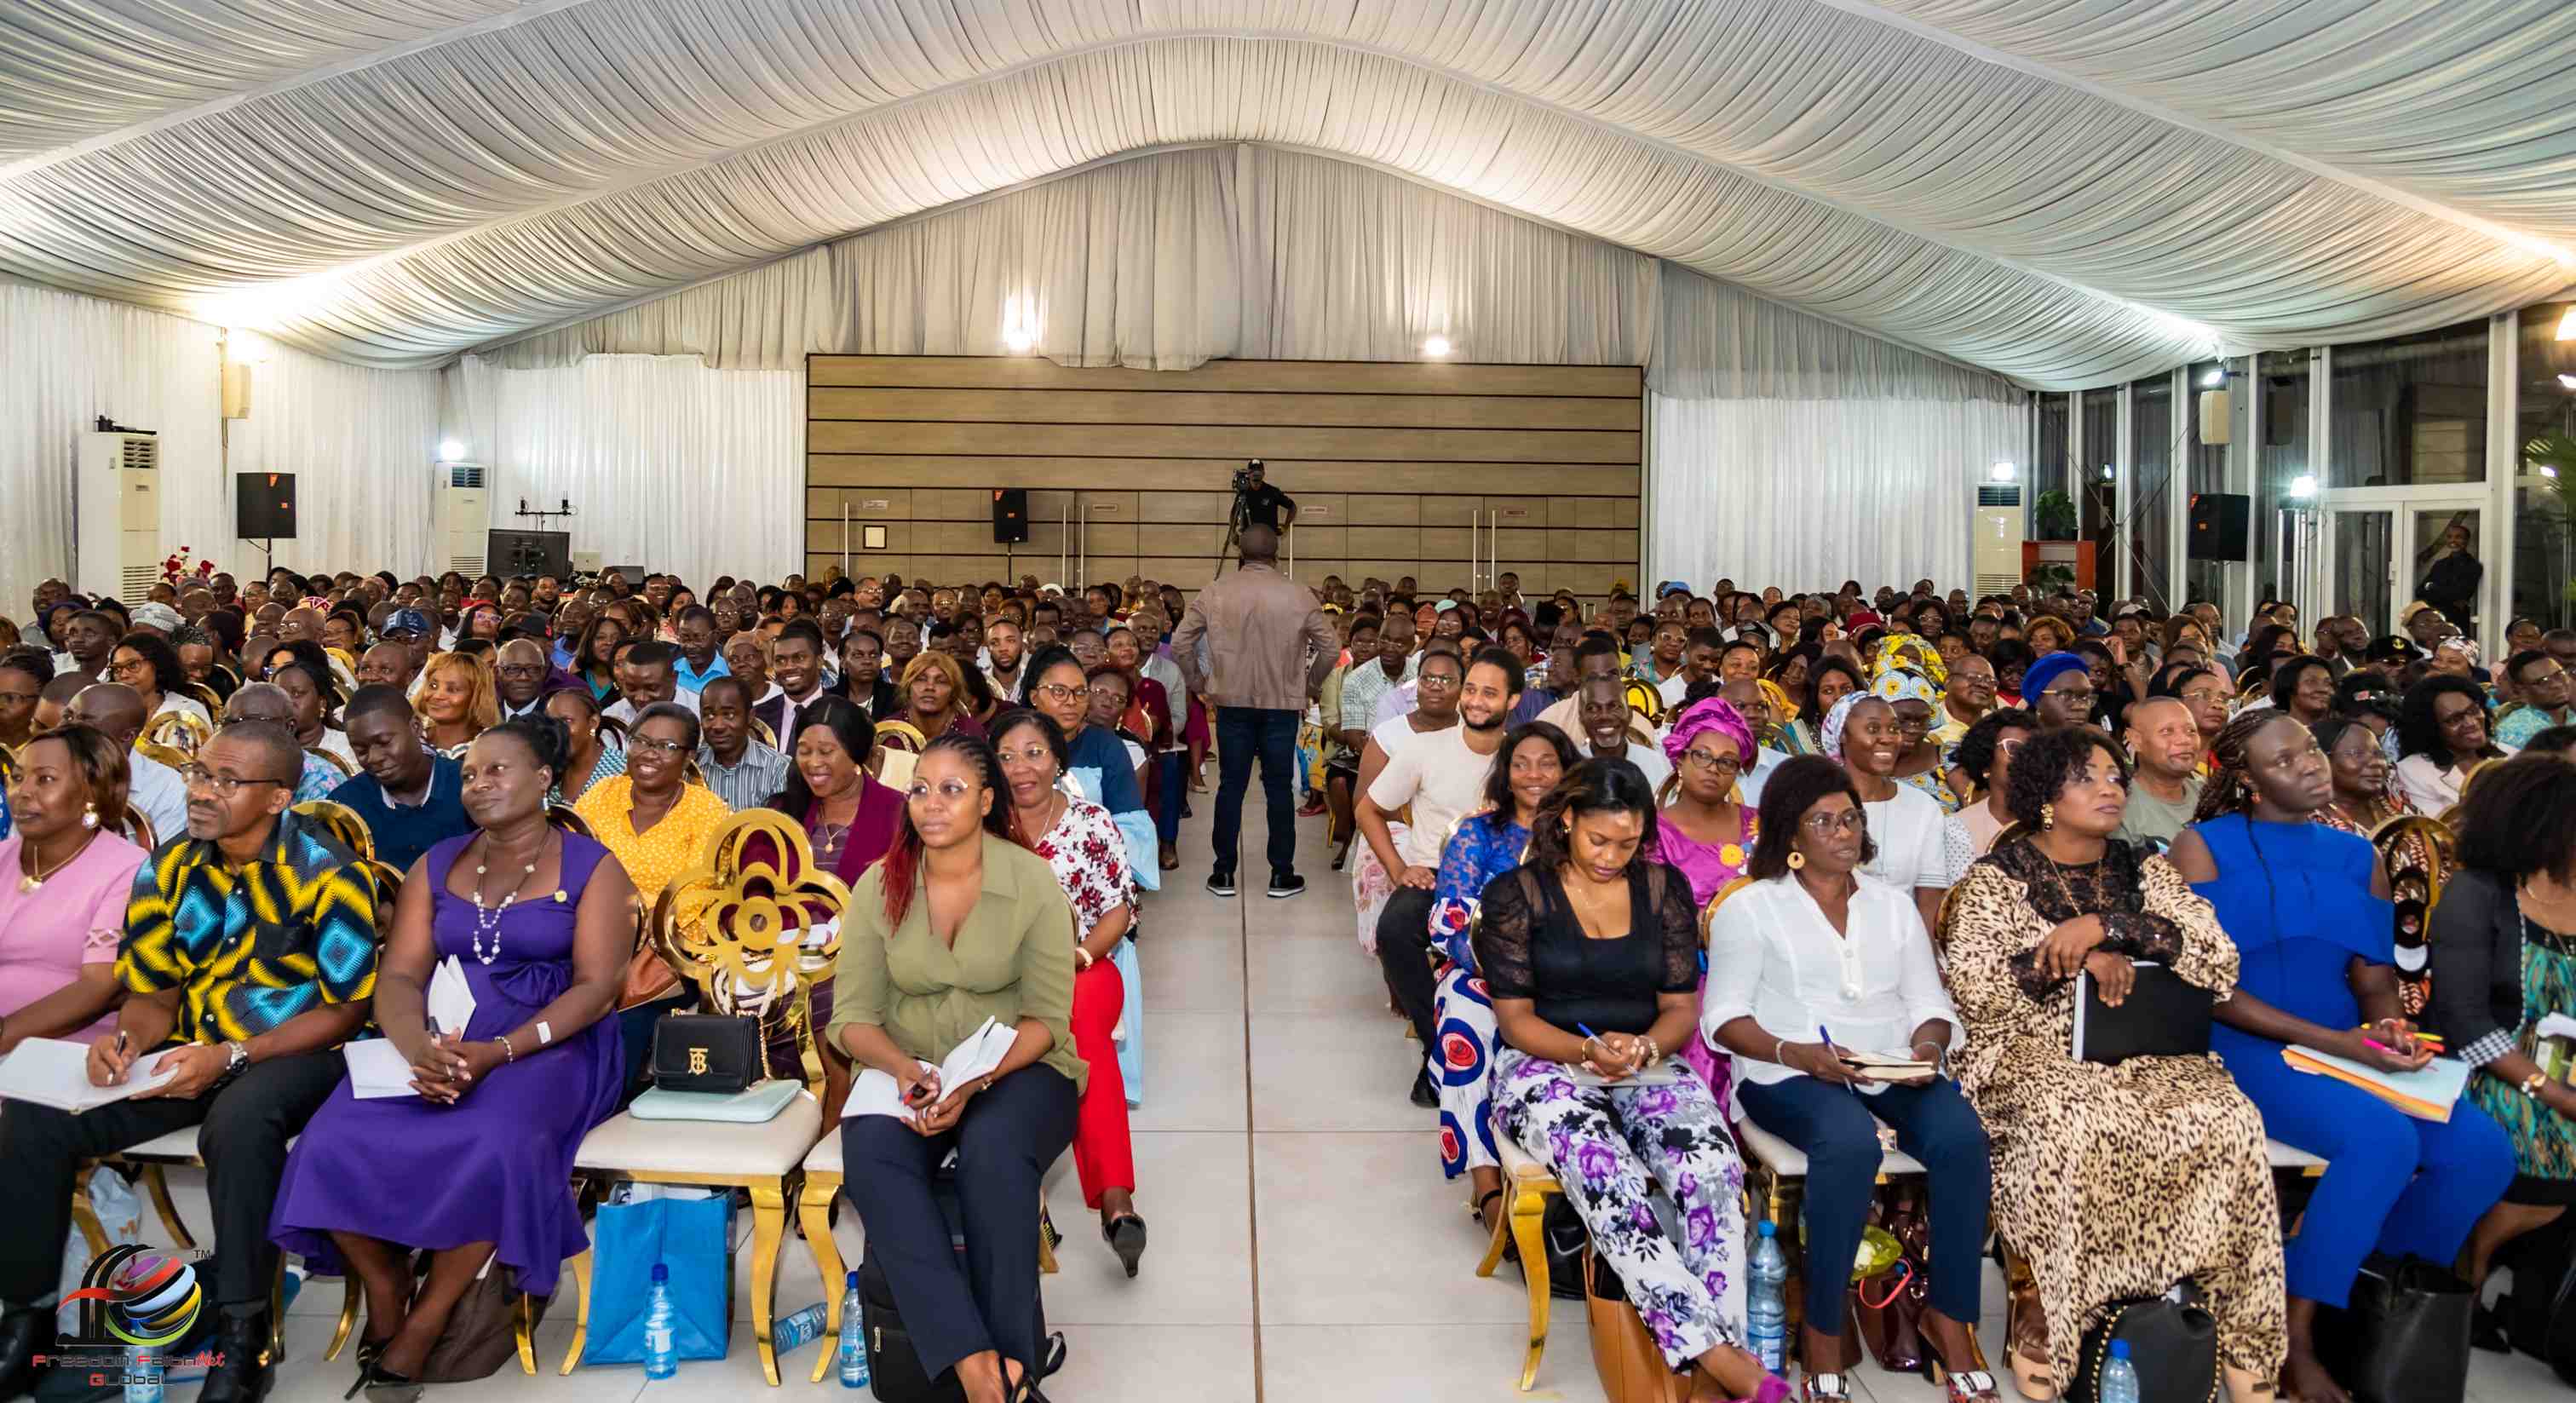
(249,956)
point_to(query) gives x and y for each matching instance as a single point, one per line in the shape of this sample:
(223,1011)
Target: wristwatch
(236,1057)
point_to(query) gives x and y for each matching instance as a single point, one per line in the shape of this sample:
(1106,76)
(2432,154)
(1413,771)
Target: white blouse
(2428,786)
(1912,848)
(1773,957)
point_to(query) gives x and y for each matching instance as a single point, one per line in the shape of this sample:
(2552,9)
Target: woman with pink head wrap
(1706,832)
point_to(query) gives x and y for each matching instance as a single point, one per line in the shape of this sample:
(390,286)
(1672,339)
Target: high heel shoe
(387,1387)
(1974,1384)
(1125,1235)
(2026,1351)
(366,1354)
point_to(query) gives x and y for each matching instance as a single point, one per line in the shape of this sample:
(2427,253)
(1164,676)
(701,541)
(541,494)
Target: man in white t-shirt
(1442,777)
(1611,731)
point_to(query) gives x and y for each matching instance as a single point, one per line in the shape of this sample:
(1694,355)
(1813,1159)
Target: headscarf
(1783,710)
(1709,714)
(1829,737)
(1907,650)
(2035,679)
(2464,647)
(1898,684)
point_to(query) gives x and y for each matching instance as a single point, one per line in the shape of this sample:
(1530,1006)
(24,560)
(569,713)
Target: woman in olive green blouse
(959,923)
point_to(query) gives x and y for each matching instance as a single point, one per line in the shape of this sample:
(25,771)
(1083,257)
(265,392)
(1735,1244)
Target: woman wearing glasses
(1706,833)
(1815,947)
(959,924)
(655,823)
(1098,764)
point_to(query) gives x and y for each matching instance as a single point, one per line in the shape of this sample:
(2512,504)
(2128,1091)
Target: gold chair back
(1648,703)
(901,735)
(760,732)
(754,924)
(138,826)
(344,826)
(205,697)
(332,758)
(172,737)
(1708,913)
(566,819)
(2419,855)
(899,747)
(8,767)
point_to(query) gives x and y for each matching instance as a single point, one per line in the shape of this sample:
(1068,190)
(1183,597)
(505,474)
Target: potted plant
(2054,514)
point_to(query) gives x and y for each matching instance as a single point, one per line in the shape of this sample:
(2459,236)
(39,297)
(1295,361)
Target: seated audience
(1083,848)
(1812,947)
(2541,698)
(154,791)
(1590,951)
(457,702)
(410,797)
(742,771)
(1706,830)
(252,1033)
(2308,910)
(23,675)
(1984,760)
(1485,844)
(267,701)
(1915,849)
(2059,689)
(2110,1182)
(1098,766)
(594,746)
(147,663)
(522,675)
(315,692)
(594,655)
(960,898)
(1830,678)
(2441,736)
(2504,958)
(1610,730)
(935,697)
(68,870)
(2164,791)
(656,823)
(2304,686)
(541,923)
(1916,699)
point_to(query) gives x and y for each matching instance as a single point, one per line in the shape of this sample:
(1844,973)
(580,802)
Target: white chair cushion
(1790,1162)
(2284,1157)
(826,1156)
(179,1146)
(716,1151)
(1516,1162)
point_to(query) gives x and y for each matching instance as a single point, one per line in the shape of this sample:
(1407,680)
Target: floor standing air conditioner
(2000,528)
(464,518)
(117,507)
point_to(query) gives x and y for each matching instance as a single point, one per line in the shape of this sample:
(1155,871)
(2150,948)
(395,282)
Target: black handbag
(2163,1016)
(2403,1336)
(2173,1346)
(714,1052)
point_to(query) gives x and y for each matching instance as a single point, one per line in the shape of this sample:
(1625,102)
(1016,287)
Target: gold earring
(2048,815)
(1797,860)
(89,816)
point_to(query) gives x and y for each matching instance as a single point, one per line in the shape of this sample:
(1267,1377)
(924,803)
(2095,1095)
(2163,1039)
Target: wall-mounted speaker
(2218,524)
(1010,516)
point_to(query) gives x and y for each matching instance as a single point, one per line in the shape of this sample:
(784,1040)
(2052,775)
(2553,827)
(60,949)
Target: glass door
(2376,552)
(2362,548)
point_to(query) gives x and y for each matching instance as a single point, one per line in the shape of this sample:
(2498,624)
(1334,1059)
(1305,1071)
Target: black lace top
(1531,945)
(2109,888)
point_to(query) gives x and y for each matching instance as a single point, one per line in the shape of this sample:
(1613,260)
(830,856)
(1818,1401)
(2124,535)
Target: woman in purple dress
(477,1163)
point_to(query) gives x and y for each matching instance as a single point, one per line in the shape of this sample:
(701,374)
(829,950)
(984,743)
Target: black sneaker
(1286,884)
(1425,1094)
(1221,882)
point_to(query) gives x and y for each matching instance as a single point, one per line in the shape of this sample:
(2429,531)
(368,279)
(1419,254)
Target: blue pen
(1829,1047)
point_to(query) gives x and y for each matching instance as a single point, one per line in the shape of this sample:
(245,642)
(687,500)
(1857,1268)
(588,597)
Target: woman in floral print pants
(1590,951)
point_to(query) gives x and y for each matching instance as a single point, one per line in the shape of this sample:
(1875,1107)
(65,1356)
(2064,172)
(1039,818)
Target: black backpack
(895,1373)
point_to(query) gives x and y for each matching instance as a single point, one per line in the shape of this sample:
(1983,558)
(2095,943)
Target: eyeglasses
(1034,755)
(225,786)
(1722,764)
(1851,820)
(522,669)
(949,789)
(1058,692)
(656,745)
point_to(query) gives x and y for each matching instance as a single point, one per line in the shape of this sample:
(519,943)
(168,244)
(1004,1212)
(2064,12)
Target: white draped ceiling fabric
(2062,195)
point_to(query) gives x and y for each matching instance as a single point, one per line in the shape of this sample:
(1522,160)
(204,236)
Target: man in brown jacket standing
(1256,645)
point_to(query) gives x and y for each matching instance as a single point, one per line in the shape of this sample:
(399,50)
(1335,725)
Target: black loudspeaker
(510,553)
(1010,516)
(2218,522)
(264,506)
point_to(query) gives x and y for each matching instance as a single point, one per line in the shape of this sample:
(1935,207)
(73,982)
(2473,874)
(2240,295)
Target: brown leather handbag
(1632,1369)
(1889,1307)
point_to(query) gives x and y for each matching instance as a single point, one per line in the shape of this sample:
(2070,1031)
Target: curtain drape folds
(361,444)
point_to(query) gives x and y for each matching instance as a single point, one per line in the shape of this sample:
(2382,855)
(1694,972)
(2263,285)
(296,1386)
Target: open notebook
(52,1072)
(376,1070)
(2427,1093)
(873,1092)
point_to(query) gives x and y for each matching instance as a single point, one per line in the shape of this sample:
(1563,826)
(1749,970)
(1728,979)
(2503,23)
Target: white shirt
(1765,760)
(1773,957)
(1911,848)
(1442,779)
(1649,759)
(1393,736)
(2429,787)
(1672,689)
(157,791)
(337,743)
(1397,702)
(625,711)
(172,701)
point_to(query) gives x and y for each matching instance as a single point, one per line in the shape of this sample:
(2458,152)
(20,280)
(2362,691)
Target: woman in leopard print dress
(2114,1182)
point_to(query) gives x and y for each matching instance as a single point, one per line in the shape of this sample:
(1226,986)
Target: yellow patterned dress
(2115,1182)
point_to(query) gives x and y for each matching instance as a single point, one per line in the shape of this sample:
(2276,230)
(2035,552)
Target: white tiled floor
(1304,1245)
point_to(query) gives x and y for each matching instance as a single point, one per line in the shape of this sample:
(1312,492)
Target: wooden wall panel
(1129,471)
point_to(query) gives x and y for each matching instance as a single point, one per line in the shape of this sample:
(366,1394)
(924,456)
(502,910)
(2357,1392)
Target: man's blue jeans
(1242,732)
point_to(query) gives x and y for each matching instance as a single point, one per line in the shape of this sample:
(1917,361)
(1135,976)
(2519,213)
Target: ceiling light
(1435,346)
(2216,377)
(2567,325)
(2303,487)
(450,451)
(2567,381)
(2002,472)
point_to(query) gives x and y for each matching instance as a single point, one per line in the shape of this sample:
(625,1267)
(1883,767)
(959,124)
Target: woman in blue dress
(476,1165)
(2308,908)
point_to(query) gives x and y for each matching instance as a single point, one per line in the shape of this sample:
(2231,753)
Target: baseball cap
(1671,587)
(411,621)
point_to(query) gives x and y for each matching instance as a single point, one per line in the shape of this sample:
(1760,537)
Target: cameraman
(1263,504)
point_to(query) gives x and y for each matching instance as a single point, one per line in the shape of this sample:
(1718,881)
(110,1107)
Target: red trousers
(1102,1152)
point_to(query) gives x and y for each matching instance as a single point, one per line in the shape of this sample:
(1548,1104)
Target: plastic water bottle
(142,1376)
(854,1338)
(661,1357)
(2119,1376)
(796,1329)
(1766,1303)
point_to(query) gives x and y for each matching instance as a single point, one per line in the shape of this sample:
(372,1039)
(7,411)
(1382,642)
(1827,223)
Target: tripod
(1234,523)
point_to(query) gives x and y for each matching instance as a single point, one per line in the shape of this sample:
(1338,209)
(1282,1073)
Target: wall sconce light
(1435,346)
(2002,472)
(2303,487)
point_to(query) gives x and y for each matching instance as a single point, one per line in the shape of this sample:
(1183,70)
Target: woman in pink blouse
(1081,842)
(67,870)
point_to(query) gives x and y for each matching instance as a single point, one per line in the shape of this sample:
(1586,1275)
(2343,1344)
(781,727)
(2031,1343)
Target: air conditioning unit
(464,519)
(116,507)
(2001,523)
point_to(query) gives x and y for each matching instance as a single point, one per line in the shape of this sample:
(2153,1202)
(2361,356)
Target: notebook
(1878,1066)
(52,1072)
(2163,1016)
(873,1093)
(377,1071)
(2427,1093)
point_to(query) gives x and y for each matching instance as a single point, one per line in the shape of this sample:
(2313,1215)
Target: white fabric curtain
(360,443)
(1804,493)
(669,463)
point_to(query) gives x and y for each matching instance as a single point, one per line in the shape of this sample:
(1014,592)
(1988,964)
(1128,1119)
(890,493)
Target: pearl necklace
(488,922)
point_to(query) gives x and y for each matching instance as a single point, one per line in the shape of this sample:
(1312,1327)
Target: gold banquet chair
(331,758)
(753,925)
(899,747)
(170,733)
(2419,855)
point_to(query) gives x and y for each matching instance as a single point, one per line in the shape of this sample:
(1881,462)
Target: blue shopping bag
(694,1238)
